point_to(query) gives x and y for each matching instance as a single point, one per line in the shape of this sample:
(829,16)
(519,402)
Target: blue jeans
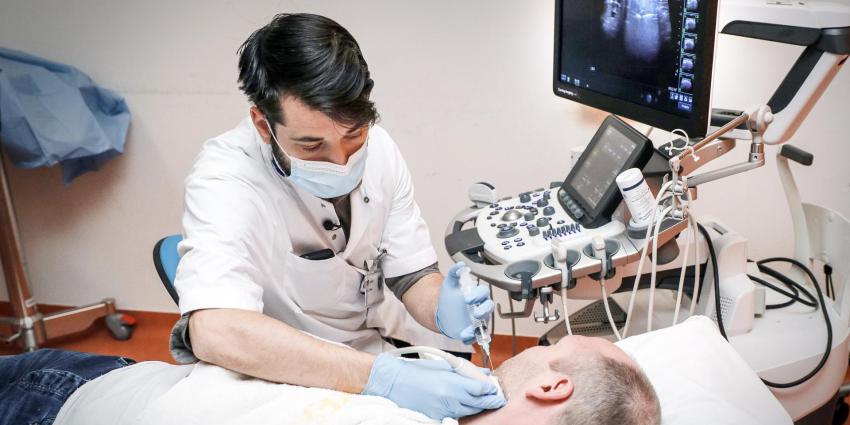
(34,386)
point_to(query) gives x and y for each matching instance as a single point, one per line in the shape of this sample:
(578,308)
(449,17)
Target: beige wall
(463,87)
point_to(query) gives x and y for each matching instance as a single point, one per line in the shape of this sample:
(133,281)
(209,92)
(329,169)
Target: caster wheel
(120,325)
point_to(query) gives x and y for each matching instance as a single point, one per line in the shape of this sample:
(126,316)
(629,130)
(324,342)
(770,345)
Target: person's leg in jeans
(34,386)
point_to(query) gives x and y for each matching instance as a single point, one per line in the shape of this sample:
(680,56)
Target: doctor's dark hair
(313,59)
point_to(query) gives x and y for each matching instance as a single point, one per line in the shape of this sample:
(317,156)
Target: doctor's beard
(282,160)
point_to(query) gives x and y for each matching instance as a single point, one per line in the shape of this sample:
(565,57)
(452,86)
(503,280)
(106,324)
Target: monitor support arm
(757,121)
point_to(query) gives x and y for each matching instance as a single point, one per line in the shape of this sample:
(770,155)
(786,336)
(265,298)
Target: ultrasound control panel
(513,236)
(523,227)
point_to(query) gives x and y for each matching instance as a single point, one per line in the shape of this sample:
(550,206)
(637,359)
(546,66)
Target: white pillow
(700,379)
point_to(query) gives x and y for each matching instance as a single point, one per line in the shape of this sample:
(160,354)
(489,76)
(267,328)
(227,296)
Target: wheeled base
(27,326)
(33,330)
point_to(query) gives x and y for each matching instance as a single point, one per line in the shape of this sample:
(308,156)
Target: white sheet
(700,379)
(698,376)
(212,395)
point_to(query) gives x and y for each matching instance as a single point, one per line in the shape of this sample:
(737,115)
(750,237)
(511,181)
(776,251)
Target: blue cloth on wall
(51,112)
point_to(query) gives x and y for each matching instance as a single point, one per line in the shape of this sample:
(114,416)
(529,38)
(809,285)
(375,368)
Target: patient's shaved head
(609,387)
(608,392)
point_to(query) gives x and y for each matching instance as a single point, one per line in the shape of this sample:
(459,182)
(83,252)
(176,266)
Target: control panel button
(507,233)
(525,197)
(533,231)
(542,222)
(529,216)
(511,215)
(550,210)
(542,202)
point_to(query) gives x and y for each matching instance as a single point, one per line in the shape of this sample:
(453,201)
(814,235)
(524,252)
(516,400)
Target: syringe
(482,336)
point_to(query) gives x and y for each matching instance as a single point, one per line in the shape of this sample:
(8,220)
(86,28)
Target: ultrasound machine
(651,62)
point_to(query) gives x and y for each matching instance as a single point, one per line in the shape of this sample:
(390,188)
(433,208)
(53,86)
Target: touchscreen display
(601,165)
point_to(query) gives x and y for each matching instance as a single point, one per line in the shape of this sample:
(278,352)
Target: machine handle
(797,155)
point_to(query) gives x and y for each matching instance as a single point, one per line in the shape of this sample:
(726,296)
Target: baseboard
(6,310)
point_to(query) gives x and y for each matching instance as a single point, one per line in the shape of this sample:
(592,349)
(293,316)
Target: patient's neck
(517,411)
(487,417)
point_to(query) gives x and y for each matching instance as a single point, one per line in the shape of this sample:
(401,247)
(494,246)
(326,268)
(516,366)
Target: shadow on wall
(590,117)
(55,208)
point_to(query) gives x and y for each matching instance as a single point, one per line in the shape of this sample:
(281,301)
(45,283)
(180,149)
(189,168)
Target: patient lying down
(578,381)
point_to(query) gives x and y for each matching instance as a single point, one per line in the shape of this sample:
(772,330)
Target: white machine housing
(803,23)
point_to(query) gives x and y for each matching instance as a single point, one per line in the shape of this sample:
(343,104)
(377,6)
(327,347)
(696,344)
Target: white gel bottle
(638,198)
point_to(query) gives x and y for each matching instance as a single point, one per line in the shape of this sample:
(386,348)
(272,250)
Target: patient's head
(580,380)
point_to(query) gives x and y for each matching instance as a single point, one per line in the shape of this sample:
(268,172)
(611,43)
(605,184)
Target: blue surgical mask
(324,179)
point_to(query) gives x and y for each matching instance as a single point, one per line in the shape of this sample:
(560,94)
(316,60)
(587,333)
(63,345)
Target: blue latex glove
(430,387)
(452,316)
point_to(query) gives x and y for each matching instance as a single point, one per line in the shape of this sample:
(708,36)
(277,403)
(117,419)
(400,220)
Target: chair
(165,259)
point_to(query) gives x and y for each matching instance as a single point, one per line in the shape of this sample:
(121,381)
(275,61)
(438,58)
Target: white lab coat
(245,227)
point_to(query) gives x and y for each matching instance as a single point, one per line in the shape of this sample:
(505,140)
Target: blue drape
(53,113)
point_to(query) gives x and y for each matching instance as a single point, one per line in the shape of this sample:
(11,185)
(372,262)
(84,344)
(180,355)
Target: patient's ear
(551,387)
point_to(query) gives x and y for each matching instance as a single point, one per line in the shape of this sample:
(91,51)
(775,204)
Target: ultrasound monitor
(647,60)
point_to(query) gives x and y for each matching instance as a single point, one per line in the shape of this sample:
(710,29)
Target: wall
(463,87)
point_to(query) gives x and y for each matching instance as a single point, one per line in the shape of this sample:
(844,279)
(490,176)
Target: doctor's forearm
(421,300)
(257,345)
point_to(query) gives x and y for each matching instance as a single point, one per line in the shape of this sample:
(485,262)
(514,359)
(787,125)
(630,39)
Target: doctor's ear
(259,120)
(551,387)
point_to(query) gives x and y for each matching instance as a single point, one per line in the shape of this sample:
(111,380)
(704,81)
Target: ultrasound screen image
(640,51)
(643,26)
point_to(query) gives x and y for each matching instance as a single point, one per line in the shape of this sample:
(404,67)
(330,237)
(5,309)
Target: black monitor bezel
(696,126)
(612,197)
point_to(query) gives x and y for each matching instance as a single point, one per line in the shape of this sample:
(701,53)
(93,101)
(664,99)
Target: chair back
(165,259)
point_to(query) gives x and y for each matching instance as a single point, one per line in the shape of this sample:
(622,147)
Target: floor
(150,340)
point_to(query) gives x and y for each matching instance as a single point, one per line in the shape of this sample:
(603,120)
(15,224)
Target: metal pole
(23,306)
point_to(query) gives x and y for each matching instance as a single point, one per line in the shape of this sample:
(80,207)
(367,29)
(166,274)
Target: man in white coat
(300,219)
